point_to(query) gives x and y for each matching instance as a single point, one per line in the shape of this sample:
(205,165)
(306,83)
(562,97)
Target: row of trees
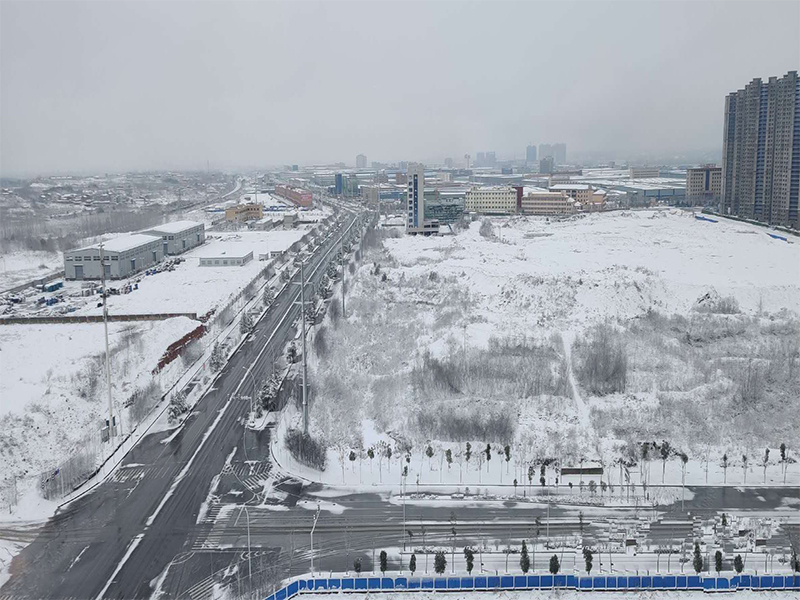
(554,566)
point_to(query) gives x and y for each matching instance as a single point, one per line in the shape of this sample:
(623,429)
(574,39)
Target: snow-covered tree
(177,406)
(246,324)
(217,357)
(269,296)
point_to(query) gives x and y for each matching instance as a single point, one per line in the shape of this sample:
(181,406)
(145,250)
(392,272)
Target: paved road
(118,539)
(147,527)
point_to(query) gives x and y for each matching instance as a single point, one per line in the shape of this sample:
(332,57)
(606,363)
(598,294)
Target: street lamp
(249,553)
(313,527)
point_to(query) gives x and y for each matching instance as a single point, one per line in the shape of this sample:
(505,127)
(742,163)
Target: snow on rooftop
(570,186)
(124,242)
(175,226)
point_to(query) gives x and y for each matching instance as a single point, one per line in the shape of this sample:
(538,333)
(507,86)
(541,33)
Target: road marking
(77,558)
(188,465)
(128,552)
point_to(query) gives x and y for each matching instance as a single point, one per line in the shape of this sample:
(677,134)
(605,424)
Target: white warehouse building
(122,256)
(179,236)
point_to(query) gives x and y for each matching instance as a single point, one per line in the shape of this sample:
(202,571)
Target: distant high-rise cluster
(761,151)
(558,152)
(361,161)
(486,159)
(530,154)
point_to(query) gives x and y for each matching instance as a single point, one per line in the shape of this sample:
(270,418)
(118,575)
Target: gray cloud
(117,85)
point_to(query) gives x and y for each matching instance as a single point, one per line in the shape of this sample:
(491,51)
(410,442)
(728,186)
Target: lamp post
(313,527)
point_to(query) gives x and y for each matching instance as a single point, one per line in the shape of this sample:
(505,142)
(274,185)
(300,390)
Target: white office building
(493,200)
(415,203)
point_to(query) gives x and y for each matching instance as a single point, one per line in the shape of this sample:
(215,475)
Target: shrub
(486,229)
(600,361)
(305,449)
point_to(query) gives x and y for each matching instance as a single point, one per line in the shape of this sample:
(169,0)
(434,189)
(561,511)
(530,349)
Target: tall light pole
(313,527)
(341,250)
(249,553)
(108,359)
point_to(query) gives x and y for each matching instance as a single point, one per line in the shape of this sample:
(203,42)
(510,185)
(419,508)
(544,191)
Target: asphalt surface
(147,528)
(117,540)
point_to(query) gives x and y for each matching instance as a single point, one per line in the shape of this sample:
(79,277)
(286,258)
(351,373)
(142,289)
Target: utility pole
(108,359)
(303,319)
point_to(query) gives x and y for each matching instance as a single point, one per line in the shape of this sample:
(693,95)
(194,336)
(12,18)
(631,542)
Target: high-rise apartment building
(704,185)
(546,164)
(415,203)
(558,152)
(361,161)
(761,151)
(530,154)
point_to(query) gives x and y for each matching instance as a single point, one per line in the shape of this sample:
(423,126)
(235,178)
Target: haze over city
(127,85)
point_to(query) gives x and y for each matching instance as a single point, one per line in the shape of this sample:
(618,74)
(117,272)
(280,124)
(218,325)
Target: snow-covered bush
(600,360)
(306,449)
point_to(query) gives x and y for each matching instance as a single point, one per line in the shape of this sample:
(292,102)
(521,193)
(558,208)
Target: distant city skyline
(90,96)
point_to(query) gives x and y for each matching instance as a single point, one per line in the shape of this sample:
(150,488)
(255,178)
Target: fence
(539,582)
(93,318)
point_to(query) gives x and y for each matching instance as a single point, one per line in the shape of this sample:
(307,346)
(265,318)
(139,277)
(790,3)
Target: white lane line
(188,465)
(77,558)
(128,552)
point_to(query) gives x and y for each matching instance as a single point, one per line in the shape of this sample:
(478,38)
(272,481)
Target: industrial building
(643,172)
(543,203)
(222,255)
(298,196)
(497,200)
(179,236)
(241,213)
(581,192)
(122,256)
(761,151)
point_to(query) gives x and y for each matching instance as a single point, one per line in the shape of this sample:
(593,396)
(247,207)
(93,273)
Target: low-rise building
(582,192)
(122,256)
(643,172)
(543,203)
(221,255)
(178,236)
(241,213)
(498,200)
(299,196)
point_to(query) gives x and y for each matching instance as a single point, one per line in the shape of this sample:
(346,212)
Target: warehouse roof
(175,226)
(123,243)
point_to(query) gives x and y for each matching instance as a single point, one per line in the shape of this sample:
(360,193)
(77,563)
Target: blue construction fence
(539,582)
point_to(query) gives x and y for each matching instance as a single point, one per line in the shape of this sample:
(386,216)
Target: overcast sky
(159,85)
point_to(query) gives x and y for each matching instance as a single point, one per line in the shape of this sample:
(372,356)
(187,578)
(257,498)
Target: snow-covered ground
(53,384)
(447,330)
(22,266)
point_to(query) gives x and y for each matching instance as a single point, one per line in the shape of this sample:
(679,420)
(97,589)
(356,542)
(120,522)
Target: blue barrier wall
(542,582)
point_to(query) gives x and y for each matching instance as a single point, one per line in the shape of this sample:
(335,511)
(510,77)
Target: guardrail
(539,582)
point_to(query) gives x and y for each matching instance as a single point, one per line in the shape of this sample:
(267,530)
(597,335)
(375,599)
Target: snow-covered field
(53,384)
(22,266)
(484,338)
